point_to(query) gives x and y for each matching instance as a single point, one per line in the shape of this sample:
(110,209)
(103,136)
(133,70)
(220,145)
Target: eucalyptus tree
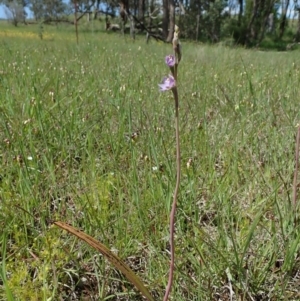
(37,8)
(15,10)
(297,10)
(283,20)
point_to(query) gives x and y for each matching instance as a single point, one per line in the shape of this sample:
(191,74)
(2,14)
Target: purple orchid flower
(167,83)
(170,60)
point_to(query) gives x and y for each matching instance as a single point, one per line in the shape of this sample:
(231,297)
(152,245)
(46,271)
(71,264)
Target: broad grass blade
(115,260)
(7,290)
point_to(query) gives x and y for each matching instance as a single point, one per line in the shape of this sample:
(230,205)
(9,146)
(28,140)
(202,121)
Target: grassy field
(67,116)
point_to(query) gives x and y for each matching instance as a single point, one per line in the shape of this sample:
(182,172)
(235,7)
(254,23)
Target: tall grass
(68,113)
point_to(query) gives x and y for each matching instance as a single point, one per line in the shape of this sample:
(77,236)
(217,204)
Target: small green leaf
(115,260)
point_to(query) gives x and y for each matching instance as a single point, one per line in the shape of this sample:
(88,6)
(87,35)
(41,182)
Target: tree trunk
(251,30)
(123,14)
(141,10)
(266,9)
(97,9)
(135,7)
(151,10)
(165,22)
(283,18)
(241,10)
(132,27)
(197,28)
(297,36)
(171,20)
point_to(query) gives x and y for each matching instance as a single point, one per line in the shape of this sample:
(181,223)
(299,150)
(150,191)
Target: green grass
(65,113)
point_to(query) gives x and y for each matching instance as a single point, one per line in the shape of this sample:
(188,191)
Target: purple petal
(170,60)
(167,83)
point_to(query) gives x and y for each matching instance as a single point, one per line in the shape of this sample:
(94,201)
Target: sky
(3,15)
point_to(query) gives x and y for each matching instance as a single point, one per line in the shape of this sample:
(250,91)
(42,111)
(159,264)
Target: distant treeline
(245,22)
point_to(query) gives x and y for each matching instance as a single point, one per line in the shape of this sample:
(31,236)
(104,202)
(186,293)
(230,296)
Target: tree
(241,10)
(84,7)
(283,19)
(141,11)
(15,11)
(171,9)
(165,21)
(258,12)
(53,9)
(297,9)
(97,7)
(36,6)
(47,9)
(246,21)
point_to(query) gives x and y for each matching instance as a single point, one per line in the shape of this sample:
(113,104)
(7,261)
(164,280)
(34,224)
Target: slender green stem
(173,210)
(296,169)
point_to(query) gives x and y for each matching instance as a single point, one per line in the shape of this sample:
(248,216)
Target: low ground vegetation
(86,138)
